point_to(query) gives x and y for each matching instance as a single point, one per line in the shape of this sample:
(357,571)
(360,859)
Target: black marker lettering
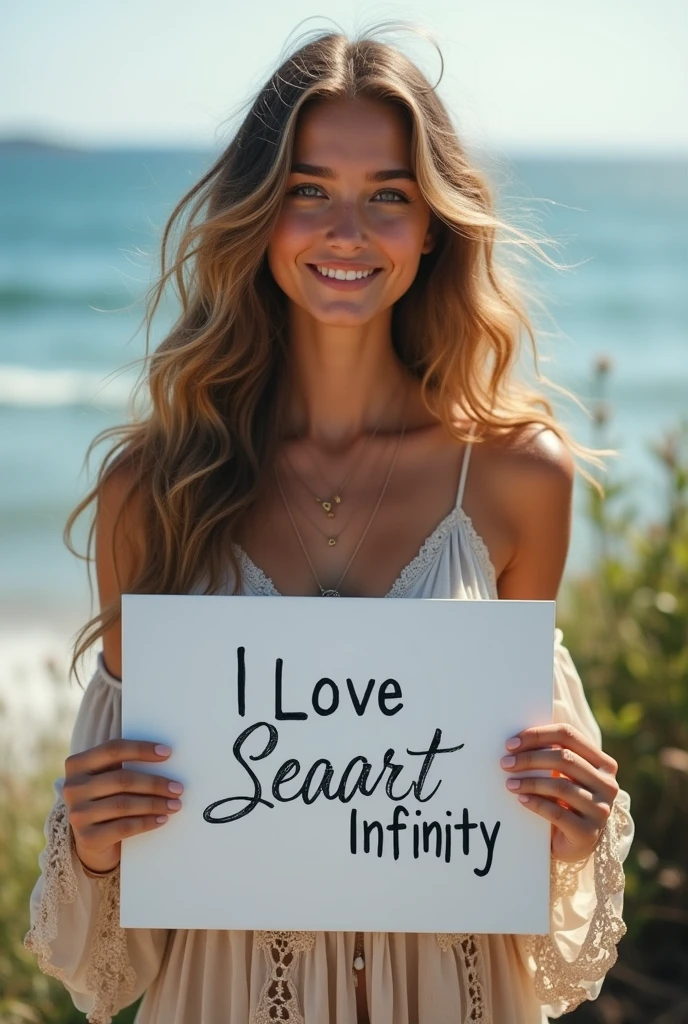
(360,706)
(429,757)
(241,681)
(334,702)
(390,690)
(280,715)
(256,799)
(490,843)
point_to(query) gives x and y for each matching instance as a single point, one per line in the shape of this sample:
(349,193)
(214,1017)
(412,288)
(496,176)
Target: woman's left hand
(577,799)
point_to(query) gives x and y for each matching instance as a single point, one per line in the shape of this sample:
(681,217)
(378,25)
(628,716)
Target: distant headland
(28,145)
(36,144)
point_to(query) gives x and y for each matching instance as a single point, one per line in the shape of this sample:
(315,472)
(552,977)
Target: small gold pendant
(337,499)
(327,505)
(331,541)
(330,515)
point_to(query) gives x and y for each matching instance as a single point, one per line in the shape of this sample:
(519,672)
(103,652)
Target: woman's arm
(75,932)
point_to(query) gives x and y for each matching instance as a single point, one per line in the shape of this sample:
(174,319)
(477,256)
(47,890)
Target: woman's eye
(392,195)
(309,191)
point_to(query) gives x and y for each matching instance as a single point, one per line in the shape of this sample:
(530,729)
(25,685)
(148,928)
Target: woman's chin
(341,316)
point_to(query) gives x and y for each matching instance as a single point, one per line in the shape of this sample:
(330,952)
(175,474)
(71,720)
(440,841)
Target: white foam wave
(29,387)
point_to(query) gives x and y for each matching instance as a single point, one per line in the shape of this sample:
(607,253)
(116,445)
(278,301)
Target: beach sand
(36,697)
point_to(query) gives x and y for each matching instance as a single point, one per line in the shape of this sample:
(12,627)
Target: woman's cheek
(288,236)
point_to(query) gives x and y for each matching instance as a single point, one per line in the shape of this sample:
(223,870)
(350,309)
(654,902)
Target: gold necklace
(331,538)
(334,591)
(328,504)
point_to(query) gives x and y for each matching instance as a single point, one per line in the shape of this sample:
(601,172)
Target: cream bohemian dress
(235,977)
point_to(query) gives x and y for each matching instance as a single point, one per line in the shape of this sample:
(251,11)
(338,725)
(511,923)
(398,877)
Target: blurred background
(578,115)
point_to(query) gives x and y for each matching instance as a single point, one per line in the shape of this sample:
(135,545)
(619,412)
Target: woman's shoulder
(522,492)
(119,548)
(533,454)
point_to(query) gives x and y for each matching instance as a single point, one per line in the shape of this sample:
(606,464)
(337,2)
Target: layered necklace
(331,535)
(336,494)
(334,591)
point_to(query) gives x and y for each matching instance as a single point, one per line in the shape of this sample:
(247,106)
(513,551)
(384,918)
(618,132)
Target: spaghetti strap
(464,468)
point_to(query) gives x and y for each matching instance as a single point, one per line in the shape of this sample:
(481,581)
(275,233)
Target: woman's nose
(347,226)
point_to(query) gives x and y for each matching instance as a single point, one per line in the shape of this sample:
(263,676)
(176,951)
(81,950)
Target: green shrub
(626,625)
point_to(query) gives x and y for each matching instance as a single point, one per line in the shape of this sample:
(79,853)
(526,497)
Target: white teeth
(344,275)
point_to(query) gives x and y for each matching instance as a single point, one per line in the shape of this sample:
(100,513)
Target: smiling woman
(345,350)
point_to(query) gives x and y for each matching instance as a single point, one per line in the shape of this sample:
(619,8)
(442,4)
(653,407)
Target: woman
(345,341)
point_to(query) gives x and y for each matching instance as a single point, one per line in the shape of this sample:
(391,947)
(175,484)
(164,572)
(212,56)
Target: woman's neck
(345,380)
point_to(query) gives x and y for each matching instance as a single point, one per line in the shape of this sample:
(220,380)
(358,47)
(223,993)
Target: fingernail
(513,783)
(523,798)
(513,743)
(174,805)
(509,761)
(161,819)
(163,750)
(175,787)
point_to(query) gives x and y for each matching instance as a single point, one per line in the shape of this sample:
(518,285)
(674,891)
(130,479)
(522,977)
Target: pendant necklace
(334,591)
(331,538)
(328,504)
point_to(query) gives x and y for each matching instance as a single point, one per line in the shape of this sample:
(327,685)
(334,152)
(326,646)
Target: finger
(579,832)
(581,800)
(111,754)
(101,837)
(121,805)
(87,787)
(566,762)
(563,734)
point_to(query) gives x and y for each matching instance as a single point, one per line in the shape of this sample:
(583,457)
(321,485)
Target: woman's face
(352,209)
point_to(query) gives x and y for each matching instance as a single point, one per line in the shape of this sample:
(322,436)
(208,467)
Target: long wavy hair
(196,459)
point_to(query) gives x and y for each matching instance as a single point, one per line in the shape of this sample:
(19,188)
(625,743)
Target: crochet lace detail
(477,1009)
(558,981)
(431,548)
(258,582)
(109,975)
(262,585)
(278,1000)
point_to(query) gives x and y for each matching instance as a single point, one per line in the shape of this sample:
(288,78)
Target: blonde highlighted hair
(214,415)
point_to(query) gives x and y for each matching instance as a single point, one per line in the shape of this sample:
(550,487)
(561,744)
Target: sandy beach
(36,697)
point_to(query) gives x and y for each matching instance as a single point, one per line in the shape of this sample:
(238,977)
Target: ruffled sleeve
(75,932)
(569,965)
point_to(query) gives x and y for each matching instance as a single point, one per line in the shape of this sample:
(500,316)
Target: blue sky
(589,75)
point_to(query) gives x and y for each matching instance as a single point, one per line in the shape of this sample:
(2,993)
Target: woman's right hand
(107,803)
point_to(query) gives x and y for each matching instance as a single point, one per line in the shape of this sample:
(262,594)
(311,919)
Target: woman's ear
(431,235)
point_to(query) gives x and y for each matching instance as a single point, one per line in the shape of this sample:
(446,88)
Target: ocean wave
(26,297)
(25,386)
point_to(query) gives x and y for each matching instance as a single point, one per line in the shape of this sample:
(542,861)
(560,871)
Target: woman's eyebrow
(326,172)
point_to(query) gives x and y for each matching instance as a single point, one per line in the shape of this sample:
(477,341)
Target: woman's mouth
(339,278)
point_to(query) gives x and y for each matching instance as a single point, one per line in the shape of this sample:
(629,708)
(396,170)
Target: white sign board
(341,763)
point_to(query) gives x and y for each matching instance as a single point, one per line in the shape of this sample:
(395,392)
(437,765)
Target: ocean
(79,233)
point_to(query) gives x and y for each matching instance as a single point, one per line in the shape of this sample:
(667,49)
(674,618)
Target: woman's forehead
(358,132)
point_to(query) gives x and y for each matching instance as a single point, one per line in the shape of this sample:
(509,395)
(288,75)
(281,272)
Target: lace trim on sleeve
(558,980)
(279,1000)
(109,975)
(477,1010)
